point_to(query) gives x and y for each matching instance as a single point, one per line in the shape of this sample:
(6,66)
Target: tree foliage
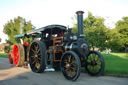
(113,40)
(95,31)
(122,28)
(13,27)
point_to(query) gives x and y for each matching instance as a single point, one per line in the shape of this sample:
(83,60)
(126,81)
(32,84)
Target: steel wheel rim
(15,54)
(35,56)
(94,63)
(69,66)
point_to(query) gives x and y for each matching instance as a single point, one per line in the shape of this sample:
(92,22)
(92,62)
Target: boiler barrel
(80,47)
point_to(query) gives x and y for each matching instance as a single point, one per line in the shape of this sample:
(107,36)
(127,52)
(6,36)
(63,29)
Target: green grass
(4,55)
(116,63)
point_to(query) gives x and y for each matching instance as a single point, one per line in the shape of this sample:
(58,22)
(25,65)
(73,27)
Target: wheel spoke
(33,57)
(65,61)
(97,68)
(39,54)
(35,60)
(74,65)
(38,51)
(99,63)
(36,47)
(37,65)
(73,60)
(70,73)
(69,58)
(91,57)
(67,69)
(94,56)
(97,59)
(32,50)
(39,59)
(93,70)
(73,69)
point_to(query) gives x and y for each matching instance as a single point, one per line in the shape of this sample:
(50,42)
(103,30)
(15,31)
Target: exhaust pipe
(80,22)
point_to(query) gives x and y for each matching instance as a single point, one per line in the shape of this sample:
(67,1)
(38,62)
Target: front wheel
(95,63)
(70,65)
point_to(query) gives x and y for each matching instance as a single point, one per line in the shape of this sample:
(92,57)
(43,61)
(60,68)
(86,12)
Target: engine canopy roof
(54,29)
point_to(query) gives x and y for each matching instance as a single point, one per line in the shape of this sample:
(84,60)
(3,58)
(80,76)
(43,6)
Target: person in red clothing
(26,45)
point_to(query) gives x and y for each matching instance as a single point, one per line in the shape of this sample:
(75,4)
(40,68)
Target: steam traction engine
(58,47)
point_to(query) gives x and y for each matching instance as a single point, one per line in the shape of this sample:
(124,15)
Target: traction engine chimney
(80,22)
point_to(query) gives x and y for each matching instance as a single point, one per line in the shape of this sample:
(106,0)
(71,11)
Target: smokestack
(80,22)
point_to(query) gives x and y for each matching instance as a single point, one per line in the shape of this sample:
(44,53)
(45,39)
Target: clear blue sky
(45,12)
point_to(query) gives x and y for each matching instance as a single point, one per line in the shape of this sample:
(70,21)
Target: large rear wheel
(37,55)
(95,63)
(18,55)
(70,65)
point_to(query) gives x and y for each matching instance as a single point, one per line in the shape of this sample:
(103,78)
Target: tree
(95,31)
(16,26)
(122,27)
(113,40)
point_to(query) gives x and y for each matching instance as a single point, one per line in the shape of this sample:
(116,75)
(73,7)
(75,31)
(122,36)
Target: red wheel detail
(15,55)
(10,58)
